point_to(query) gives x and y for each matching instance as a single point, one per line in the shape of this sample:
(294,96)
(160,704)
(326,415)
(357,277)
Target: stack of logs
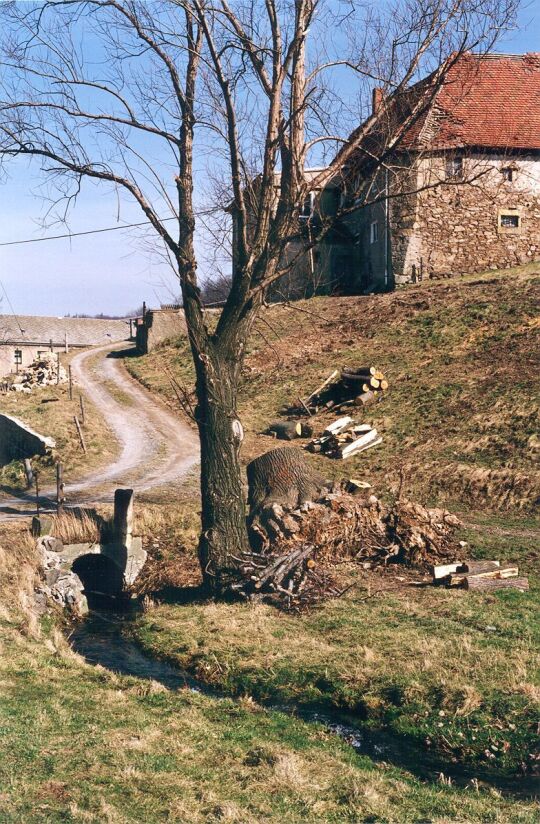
(369,380)
(480,575)
(355,387)
(344,438)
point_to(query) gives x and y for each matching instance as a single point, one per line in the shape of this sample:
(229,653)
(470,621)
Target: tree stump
(282,476)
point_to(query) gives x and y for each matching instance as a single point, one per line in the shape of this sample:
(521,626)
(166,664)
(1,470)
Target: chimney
(378,97)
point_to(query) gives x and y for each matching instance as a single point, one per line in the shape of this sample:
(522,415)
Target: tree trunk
(223,518)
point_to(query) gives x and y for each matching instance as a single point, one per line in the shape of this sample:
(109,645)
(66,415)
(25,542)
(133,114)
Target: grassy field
(456,670)
(50,412)
(81,744)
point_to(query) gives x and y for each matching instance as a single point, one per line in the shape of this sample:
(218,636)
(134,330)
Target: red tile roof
(490,101)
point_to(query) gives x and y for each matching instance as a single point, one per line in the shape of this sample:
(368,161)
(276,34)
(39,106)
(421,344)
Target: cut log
(286,430)
(479,583)
(384,385)
(338,426)
(473,567)
(379,375)
(365,399)
(458,578)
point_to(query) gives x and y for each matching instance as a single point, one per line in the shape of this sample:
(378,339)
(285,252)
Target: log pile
(360,386)
(344,438)
(300,528)
(480,575)
(43,371)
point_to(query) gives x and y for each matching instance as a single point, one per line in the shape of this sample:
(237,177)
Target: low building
(25,337)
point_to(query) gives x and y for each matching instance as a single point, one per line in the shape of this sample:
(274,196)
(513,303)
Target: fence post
(59,488)
(28,472)
(81,403)
(36,478)
(70,383)
(57,368)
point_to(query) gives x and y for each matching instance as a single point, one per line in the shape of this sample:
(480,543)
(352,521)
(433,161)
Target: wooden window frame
(509,230)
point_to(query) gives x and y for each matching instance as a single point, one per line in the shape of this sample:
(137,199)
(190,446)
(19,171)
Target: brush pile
(44,370)
(344,438)
(301,530)
(360,386)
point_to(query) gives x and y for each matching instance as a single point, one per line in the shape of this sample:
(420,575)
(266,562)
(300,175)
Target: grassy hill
(461,418)
(460,425)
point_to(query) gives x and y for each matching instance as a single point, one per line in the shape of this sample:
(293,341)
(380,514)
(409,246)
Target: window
(374,232)
(306,210)
(509,221)
(454,168)
(508,173)
(18,356)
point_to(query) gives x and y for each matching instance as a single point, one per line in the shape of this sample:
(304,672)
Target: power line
(11,307)
(78,234)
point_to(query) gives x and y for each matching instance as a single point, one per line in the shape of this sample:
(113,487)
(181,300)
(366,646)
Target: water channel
(105,637)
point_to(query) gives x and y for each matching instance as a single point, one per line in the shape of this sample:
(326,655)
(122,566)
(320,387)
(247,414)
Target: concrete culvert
(99,575)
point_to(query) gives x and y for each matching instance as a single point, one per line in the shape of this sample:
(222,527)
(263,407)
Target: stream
(104,637)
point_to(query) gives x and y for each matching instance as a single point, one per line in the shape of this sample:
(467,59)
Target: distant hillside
(461,419)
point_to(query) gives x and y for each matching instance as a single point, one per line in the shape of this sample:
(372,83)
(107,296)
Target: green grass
(460,669)
(82,744)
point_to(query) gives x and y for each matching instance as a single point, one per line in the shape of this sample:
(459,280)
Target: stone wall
(18,441)
(455,228)
(158,326)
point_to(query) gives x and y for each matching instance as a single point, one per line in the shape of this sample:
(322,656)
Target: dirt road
(156,449)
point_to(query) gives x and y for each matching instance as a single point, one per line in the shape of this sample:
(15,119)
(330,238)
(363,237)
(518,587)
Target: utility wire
(78,234)
(11,307)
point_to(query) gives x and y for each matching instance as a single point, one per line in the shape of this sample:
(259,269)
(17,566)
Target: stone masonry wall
(18,441)
(455,228)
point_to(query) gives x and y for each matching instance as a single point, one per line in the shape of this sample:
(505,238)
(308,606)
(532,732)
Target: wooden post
(57,368)
(81,404)
(66,347)
(59,488)
(70,383)
(79,430)
(123,516)
(51,344)
(28,472)
(36,478)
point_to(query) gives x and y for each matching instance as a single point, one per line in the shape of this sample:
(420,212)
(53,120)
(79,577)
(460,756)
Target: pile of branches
(299,535)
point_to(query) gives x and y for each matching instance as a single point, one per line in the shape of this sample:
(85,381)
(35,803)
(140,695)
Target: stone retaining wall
(18,441)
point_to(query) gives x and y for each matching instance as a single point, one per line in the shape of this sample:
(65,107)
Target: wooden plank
(479,583)
(503,572)
(338,425)
(363,442)
(442,571)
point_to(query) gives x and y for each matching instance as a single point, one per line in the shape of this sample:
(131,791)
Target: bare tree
(146,96)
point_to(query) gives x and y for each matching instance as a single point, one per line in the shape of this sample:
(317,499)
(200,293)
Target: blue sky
(111,272)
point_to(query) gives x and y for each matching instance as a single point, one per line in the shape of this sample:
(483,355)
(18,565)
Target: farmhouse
(464,183)
(24,337)
(458,192)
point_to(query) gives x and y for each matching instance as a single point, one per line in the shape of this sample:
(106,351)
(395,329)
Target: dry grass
(462,359)
(49,411)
